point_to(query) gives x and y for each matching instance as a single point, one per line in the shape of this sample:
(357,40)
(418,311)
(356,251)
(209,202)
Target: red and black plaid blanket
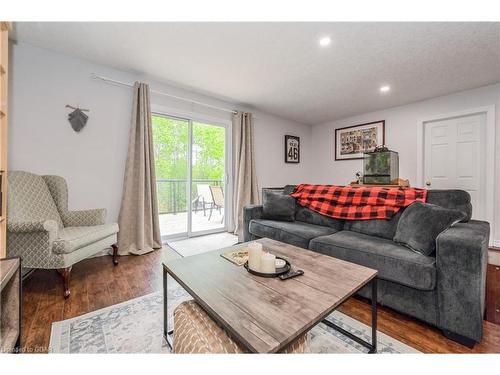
(356,203)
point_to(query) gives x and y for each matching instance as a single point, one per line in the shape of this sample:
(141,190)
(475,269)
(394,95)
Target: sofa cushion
(375,227)
(278,206)
(394,262)
(294,233)
(421,223)
(74,238)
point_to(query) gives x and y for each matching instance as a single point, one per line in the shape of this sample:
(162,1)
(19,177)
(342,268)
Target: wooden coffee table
(265,315)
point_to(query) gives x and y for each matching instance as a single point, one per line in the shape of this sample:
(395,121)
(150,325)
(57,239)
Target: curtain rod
(105,79)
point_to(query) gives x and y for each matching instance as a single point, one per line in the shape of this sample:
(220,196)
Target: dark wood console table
(11,301)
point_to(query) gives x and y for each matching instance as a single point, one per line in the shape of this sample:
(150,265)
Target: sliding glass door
(171,146)
(208,168)
(190,159)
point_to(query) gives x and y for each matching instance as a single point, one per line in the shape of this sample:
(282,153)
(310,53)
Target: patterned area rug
(136,326)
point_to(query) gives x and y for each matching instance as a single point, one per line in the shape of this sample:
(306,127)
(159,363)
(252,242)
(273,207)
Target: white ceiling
(279,67)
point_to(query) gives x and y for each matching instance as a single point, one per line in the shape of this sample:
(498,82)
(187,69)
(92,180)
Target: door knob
(427,183)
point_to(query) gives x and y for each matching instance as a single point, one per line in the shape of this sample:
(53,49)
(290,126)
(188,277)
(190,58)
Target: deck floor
(171,224)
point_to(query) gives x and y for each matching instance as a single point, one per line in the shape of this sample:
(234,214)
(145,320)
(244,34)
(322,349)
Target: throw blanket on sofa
(356,203)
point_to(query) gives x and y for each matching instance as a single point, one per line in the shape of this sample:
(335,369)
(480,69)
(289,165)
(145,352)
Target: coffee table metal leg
(374,316)
(169,334)
(372,347)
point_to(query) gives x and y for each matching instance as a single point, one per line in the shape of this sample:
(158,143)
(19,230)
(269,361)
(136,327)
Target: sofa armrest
(461,259)
(85,218)
(250,212)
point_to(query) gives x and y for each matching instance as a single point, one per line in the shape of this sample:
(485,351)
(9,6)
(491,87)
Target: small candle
(254,255)
(280,263)
(268,263)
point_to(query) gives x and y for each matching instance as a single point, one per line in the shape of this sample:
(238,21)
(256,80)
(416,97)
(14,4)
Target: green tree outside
(171,147)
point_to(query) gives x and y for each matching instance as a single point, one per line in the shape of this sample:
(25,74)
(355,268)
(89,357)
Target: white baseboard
(494,257)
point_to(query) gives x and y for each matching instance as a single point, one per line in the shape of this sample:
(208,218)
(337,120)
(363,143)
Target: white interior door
(455,156)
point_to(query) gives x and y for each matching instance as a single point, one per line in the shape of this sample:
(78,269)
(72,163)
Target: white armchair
(45,234)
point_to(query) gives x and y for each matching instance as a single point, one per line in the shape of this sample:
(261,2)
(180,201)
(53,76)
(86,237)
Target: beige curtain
(138,219)
(246,190)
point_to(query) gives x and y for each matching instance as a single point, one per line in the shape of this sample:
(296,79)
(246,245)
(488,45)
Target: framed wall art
(292,149)
(352,141)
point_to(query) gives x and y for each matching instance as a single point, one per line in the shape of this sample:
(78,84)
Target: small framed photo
(292,149)
(352,141)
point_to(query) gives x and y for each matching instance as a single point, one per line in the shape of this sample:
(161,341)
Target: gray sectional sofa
(445,289)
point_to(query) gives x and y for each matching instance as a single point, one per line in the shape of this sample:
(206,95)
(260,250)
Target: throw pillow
(278,206)
(421,223)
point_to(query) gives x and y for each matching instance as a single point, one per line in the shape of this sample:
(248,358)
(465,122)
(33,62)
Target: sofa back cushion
(375,227)
(29,198)
(312,217)
(421,223)
(278,206)
(289,189)
(452,198)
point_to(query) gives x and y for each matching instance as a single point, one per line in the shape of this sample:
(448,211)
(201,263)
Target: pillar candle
(254,255)
(268,263)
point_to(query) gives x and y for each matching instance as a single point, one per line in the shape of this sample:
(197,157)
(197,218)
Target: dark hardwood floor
(96,283)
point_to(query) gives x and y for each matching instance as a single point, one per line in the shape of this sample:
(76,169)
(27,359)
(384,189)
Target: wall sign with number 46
(292,149)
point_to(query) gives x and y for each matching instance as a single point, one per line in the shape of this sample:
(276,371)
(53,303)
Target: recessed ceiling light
(325,41)
(385,88)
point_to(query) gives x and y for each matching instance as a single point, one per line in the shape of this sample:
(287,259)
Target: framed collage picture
(292,149)
(352,141)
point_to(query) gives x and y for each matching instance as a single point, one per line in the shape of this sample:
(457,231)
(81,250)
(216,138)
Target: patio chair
(218,200)
(205,197)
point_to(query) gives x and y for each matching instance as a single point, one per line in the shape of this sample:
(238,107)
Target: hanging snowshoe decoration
(77,118)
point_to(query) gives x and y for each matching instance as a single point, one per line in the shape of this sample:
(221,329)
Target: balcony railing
(172,194)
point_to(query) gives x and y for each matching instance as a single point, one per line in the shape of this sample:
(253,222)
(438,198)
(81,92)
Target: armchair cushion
(74,238)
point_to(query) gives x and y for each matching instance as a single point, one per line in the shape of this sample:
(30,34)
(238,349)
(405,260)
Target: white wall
(42,141)
(272,171)
(401,135)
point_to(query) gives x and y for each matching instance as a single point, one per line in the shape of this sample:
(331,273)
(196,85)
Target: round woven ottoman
(195,332)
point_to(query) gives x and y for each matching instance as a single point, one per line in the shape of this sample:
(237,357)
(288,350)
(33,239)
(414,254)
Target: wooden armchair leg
(65,273)
(115,254)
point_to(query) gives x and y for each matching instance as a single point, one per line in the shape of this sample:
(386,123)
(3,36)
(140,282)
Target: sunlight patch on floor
(202,244)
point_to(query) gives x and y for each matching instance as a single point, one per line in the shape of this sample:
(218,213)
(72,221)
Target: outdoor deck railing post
(175,198)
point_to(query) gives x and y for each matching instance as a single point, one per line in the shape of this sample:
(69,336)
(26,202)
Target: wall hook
(81,109)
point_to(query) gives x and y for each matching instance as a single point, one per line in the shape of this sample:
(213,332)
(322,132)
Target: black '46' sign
(292,149)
